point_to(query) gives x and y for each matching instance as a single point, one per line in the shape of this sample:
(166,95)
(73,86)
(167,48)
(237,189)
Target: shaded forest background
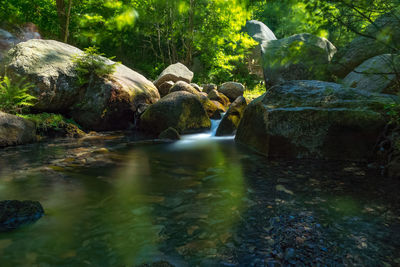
(206,35)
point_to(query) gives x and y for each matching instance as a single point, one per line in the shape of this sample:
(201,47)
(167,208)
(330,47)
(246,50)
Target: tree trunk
(64,14)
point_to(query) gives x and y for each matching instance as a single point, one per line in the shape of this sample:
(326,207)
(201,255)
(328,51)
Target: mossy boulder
(314,119)
(108,103)
(209,87)
(15,130)
(14,214)
(220,97)
(232,118)
(298,57)
(181,110)
(376,75)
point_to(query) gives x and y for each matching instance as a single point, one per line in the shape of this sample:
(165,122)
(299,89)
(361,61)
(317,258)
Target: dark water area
(110,201)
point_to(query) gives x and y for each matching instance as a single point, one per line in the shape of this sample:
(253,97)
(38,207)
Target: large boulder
(231,119)
(232,90)
(170,134)
(259,31)
(14,213)
(378,38)
(377,74)
(109,103)
(176,72)
(180,110)
(15,130)
(314,119)
(298,57)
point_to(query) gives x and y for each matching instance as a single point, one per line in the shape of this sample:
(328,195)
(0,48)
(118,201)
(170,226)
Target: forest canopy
(206,35)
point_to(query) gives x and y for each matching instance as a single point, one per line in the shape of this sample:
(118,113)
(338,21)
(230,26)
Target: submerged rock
(232,90)
(231,119)
(180,110)
(15,130)
(313,119)
(170,134)
(14,213)
(298,57)
(175,72)
(376,75)
(108,103)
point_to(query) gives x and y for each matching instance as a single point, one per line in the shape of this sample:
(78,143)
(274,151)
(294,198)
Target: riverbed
(111,200)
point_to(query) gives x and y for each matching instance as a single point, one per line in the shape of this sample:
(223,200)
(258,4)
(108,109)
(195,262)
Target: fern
(14,95)
(92,63)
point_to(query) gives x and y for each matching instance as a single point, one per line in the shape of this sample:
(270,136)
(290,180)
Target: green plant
(393,111)
(92,63)
(14,96)
(46,121)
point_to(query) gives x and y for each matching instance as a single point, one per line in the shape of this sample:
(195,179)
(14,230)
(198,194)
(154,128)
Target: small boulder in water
(14,213)
(170,134)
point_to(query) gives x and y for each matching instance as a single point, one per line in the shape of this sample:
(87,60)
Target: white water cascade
(200,139)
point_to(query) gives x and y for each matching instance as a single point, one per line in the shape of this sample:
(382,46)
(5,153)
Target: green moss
(54,125)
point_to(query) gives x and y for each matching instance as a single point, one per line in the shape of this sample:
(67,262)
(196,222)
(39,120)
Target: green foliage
(393,111)
(48,121)
(256,91)
(92,63)
(14,95)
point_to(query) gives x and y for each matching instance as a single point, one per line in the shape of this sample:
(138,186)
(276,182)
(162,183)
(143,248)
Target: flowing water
(111,201)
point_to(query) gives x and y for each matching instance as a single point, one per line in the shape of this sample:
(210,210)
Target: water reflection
(111,202)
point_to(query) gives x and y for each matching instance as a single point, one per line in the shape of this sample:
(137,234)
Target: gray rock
(370,75)
(259,31)
(314,119)
(176,72)
(15,130)
(14,213)
(232,90)
(380,38)
(298,57)
(108,104)
(232,118)
(180,110)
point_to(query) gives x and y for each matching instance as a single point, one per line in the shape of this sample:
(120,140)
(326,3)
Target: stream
(111,200)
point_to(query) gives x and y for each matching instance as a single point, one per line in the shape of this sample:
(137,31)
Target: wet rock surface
(14,214)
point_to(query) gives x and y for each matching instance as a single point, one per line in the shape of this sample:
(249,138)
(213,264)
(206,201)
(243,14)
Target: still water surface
(201,201)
